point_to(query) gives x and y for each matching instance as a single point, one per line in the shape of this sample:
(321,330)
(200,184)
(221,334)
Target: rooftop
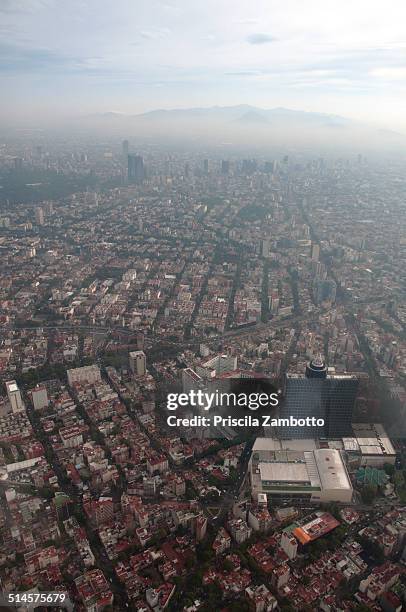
(273,444)
(330,466)
(284,472)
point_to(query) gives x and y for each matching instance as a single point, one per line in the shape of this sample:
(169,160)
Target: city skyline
(133,275)
(202,305)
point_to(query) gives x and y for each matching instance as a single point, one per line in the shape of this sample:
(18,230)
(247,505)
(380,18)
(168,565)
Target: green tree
(227,566)
(239,606)
(47,492)
(389,469)
(398,479)
(373,549)
(368,494)
(361,608)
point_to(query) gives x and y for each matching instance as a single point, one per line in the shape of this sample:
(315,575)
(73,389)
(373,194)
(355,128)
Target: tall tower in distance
(39,216)
(138,363)
(315,252)
(225,167)
(321,395)
(316,369)
(136,170)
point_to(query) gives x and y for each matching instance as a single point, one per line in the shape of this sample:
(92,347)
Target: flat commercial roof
(373,439)
(321,468)
(370,449)
(284,472)
(266,444)
(330,466)
(272,444)
(299,445)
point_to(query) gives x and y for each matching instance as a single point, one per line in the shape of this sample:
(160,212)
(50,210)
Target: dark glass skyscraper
(136,171)
(330,397)
(339,401)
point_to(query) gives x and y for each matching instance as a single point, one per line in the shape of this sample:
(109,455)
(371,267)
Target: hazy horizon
(68,60)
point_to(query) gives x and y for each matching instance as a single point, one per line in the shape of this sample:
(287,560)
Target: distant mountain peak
(242,113)
(247,125)
(252,116)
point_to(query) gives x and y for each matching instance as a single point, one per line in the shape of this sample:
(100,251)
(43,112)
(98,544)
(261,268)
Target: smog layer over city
(202,305)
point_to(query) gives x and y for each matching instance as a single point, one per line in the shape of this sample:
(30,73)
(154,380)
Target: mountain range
(245,125)
(242,113)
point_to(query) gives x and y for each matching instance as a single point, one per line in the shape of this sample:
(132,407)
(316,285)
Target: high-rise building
(140,340)
(249,166)
(206,166)
(49,207)
(339,404)
(265,247)
(225,167)
(273,300)
(136,172)
(324,396)
(126,148)
(39,397)
(14,396)
(289,544)
(138,363)
(320,270)
(39,216)
(315,252)
(201,527)
(316,369)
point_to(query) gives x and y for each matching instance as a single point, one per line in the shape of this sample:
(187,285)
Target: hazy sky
(82,56)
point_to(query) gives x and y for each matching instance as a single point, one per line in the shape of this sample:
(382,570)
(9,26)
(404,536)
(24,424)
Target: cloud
(243,73)
(390,73)
(14,6)
(15,59)
(246,21)
(155,33)
(260,39)
(199,50)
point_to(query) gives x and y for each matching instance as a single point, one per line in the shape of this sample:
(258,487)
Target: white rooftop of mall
(316,469)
